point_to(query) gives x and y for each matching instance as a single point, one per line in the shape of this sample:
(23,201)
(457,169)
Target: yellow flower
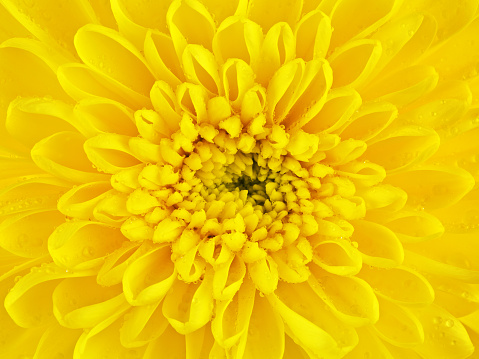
(239,179)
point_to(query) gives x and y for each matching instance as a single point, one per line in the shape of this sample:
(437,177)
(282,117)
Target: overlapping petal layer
(240,179)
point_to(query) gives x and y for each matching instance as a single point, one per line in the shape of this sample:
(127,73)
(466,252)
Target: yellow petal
(189,306)
(401,285)
(142,325)
(404,86)
(25,234)
(452,255)
(80,201)
(369,346)
(350,19)
(264,274)
(415,226)
(190,22)
(144,282)
(313,33)
(401,148)
(265,335)
(433,186)
(201,67)
(110,152)
(80,82)
(74,245)
(171,344)
(57,341)
(103,341)
(444,334)
(29,303)
(379,245)
(261,12)
(164,102)
(351,299)
(62,155)
(51,22)
(277,50)
(75,305)
(112,270)
(369,121)
(404,41)
(31,119)
(118,60)
(228,278)
(365,53)
(135,18)
(161,56)
(340,105)
(32,194)
(362,173)
(232,317)
(398,325)
(310,324)
(104,115)
(237,78)
(238,38)
(338,257)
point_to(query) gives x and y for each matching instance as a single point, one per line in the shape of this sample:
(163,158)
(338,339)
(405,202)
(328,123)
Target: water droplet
(437,320)
(449,323)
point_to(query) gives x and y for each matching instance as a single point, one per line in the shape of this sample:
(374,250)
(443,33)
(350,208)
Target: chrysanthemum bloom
(239,179)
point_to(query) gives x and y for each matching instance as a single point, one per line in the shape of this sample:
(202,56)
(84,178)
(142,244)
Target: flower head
(247,179)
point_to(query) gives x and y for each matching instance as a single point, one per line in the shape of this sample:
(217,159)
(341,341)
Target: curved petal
(103,341)
(404,86)
(379,245)
(57,341)
(398,325)
(277,50)
(338,257)
(67,19)
(452,255)
(369,121)
(134,18)
(444,334)
(161,56)
(75,245)
(362,174)
(62,155)
(350,299)
(433,187)
(200,67)
(83,303)
(237,78)
(350,20)
(29,302)
(264,274)
(415,226)
(238,38)
(261,12)
(405,40)
(80,201)
(340,105)
(232,317)
(144,282)
(190,22)
(142,325)
(31,194)
(118,60)
(171,344)
(104,115)
(25,234)
(189,306)
(81,82)
(228,278)
(354,73)
(32,119)
(110,152)
(411,145)
(313,34)
(401,285)
(263,320)
(310,324)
